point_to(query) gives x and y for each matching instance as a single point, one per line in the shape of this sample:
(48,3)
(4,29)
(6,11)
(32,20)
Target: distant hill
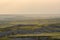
(24,17)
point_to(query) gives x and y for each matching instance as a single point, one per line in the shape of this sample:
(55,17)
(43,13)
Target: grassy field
(46,27)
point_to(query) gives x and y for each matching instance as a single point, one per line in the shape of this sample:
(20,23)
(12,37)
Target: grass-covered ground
(30,28)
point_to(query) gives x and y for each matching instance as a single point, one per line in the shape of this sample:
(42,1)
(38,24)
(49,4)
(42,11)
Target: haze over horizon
(31,8)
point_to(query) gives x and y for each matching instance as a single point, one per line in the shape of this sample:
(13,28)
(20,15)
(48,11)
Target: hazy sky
(45,7)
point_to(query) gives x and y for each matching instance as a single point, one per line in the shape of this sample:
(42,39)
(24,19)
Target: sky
(46,8)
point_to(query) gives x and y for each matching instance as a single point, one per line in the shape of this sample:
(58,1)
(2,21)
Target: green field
(36,24)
